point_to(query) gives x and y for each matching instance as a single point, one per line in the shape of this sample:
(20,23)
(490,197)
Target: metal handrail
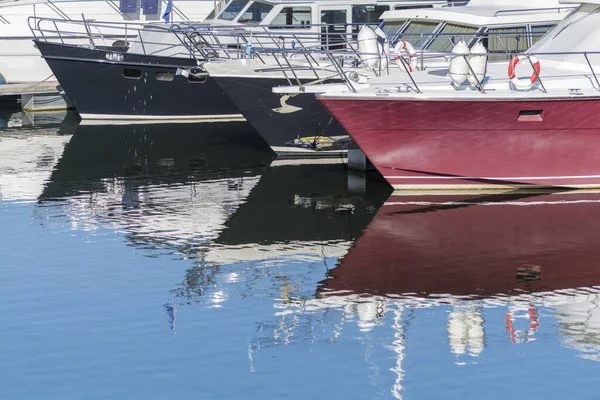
(480,86)
(517,10)
(202,41)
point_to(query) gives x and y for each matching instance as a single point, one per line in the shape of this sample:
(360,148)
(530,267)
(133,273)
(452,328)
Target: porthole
(165,76)
(131,73)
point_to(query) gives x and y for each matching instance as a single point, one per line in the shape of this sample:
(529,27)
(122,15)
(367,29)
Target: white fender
(465,330)
(478,61)
(367,47)
(459,70)
(403,45)
(369,314)
(373,52)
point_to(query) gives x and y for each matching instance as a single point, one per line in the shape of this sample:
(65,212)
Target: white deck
(561,75)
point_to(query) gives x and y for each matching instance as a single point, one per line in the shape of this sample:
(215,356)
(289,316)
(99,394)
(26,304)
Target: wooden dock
(43,96)
(18,89)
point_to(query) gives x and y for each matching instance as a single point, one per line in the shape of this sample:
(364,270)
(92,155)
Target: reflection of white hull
(552,299)
(279,253)
(579,325)
(170,215)
(19,59)
(27,163)
(577,312)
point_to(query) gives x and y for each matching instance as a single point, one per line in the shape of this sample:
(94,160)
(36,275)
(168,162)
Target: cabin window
(538,31)
(416,29)
(411,7)
(296,17)
(333,17)
(450,35)
(503,43)
(233,9)
(165,76)
(366,14)
(131,73)
(393,29)
(335,33)
(255,13)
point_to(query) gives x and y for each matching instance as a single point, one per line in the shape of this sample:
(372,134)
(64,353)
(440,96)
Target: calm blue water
(163,262)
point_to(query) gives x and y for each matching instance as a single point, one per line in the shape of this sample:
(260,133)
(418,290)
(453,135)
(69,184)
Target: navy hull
(255,99)
(155,154)
(105,85)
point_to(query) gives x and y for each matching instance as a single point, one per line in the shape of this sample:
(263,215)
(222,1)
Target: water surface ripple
(166,262)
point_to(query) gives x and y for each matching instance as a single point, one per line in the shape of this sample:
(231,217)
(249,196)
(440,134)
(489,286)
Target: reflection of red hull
(417,144)
(524,244)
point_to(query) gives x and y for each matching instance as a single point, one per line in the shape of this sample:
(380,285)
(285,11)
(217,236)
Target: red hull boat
(533,121)
(483,144)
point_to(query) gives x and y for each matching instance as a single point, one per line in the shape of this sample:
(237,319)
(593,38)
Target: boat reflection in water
(29,154)
(493,263)
(298,215)
(167,187)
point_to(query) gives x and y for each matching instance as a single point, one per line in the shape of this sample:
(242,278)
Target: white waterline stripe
(488,203)
(100,119)
(302,150)
(494,179)
(307,161)
(121,117)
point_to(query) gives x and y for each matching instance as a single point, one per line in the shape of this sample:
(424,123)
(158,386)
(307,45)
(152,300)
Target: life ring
(509,318)
(410,50)
(523,84)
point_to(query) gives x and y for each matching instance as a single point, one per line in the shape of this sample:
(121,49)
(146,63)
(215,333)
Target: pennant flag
(167,15)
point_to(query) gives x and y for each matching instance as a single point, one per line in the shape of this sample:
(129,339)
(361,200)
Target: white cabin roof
(579,32)
(480,13)
(579,2)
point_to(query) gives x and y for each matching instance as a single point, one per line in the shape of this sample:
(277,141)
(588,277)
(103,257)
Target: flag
(167,15)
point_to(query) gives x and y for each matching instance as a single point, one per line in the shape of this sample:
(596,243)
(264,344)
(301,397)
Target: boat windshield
(450,34)
(255,13)
(393,29)
(233,9)
(502,43)
(418,32)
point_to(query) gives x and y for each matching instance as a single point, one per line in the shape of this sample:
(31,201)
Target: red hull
(469,144)
(478,247)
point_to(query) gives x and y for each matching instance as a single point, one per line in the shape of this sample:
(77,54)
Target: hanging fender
(410,50)
(523,84)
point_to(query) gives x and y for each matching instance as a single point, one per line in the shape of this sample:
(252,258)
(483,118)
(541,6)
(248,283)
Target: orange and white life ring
(523,84)
(410,50)
(532,314)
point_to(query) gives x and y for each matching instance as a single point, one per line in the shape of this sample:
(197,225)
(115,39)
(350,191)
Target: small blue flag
(167,15)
